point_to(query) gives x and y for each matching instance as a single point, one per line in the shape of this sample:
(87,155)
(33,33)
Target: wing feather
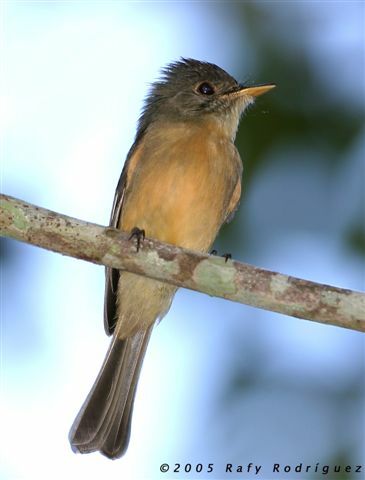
(112,275)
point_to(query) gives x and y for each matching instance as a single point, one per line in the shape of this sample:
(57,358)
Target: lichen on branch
(181,267)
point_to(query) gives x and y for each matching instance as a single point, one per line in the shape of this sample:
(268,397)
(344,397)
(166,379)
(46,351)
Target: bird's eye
(206,88)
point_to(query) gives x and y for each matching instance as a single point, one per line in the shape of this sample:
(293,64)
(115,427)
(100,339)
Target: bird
(180,182)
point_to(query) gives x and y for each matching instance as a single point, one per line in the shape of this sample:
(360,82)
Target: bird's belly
(181,200)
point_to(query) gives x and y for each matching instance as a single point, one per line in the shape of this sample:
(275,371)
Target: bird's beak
(255,90)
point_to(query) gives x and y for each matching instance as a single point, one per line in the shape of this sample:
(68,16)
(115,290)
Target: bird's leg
(139,234)
(225,255)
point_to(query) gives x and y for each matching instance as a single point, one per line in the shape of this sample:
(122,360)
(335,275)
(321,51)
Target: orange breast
(180,185)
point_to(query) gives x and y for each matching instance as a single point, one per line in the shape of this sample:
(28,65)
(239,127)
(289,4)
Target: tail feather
(104,421)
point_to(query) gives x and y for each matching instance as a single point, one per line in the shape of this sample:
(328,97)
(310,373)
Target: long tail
(104,421)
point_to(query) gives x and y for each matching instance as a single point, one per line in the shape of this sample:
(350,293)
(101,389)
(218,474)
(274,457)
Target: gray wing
(111,274)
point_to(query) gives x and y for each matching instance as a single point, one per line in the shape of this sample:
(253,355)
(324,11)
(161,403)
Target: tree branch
(184,268)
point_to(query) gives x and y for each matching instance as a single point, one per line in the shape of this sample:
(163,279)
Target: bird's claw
(139,234)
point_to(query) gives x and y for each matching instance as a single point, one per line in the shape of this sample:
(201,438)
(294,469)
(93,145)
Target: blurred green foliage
(303,110)
(305,113)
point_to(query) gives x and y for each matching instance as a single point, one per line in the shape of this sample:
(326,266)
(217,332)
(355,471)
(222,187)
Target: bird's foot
(139,234)
(225,255)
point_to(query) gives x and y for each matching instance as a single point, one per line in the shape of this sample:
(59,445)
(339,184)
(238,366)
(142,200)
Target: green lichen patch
(17,216)
(217,280)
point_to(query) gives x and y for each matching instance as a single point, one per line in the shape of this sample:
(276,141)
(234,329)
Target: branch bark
(184,268)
